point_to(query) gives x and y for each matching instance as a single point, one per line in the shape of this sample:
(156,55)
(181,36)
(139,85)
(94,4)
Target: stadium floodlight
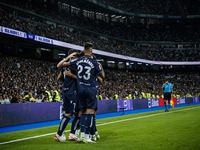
(120,62)
(100,59)
(118,16)
(124,17)
(132,63)
(113,16)
(139,63)
(127,63)
(111,62)
(44,49)
(62,54)
(106,14)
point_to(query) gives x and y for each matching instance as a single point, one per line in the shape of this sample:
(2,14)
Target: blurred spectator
(5,100)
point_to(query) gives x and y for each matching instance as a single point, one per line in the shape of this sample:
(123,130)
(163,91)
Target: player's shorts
(70,103)
(167,96)
(87,98)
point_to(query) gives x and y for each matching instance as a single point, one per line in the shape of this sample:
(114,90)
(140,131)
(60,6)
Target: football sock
(77,132)
(93,127)
(82,124)
(75,124)
(168,105)
(165,105)
(63,123)
(88,124)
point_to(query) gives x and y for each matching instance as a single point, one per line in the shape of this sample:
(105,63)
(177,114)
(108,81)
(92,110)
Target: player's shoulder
(75,60)
(94,61)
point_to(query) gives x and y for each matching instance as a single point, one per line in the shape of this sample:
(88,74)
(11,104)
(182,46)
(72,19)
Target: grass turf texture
(175,130)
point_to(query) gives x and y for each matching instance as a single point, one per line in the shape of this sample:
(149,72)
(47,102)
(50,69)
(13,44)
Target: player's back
(87,71)
(70,85)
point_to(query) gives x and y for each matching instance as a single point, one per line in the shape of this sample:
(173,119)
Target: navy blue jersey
(97,83)
(87,71)
(70,85)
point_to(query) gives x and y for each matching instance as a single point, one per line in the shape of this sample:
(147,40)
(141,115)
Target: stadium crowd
(20,76)
(158,7)
(124,83)
(121,31)
(31,26)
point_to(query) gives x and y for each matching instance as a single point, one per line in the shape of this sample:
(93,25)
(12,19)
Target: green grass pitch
(177,130)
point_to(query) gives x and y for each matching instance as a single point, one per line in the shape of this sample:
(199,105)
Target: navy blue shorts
(70,103)
(87,98)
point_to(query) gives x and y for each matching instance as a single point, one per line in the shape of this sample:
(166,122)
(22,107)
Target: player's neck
(87,54)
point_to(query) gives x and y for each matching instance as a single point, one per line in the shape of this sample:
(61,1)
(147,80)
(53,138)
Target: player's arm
(60,77)
(65,64)
(69,74)
(100,80)
(102,74)
(172,90)
(163,86)
(60,64)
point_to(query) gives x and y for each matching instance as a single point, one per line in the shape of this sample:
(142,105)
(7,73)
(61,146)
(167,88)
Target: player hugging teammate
(80,88)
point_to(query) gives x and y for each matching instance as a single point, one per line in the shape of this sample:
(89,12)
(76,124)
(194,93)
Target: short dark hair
(81,54)
(72,51)
(88,45)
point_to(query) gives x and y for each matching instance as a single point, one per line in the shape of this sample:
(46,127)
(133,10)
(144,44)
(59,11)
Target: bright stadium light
(44,49)
(61,54)
(112,62)
(118,16)
(100,59)
(113,16)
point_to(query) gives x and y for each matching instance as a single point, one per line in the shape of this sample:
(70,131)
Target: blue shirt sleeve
(73,62)
(171,86)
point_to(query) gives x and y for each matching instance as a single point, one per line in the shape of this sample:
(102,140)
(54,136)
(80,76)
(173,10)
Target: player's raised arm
(102,74)
(60,77)
(60,64)
(65,64)
(163,86)
(100,80)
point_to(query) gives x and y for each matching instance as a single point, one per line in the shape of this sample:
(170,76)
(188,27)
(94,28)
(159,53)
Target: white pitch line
(100,125)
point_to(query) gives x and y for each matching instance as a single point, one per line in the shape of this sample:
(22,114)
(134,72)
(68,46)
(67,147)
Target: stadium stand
(124,83)
(20,75)
(136,33)
(158,7)
(34,26)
